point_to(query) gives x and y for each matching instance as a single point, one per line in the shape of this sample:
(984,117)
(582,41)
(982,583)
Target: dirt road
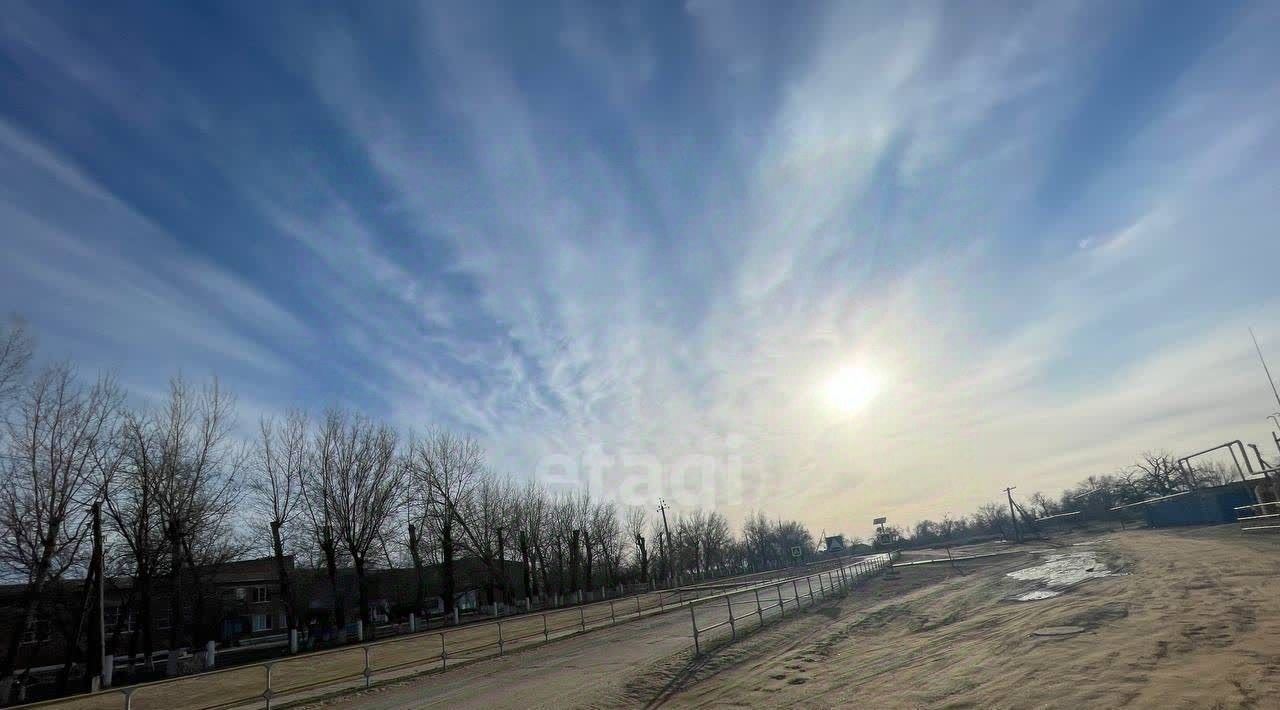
(1191,620)
(595,669)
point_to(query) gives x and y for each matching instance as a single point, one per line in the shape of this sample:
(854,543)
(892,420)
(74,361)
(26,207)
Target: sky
(630,247)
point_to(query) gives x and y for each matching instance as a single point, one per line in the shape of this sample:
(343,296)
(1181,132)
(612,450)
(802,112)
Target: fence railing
(762,599)
(1258,517)
(356,665)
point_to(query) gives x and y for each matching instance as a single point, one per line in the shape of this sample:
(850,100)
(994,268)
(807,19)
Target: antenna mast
(1264,366)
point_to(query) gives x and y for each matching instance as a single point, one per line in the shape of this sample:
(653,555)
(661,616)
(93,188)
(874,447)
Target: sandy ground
(1191,620)
(1194,622)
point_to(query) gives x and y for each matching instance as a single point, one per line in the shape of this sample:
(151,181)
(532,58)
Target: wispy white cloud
(651,273)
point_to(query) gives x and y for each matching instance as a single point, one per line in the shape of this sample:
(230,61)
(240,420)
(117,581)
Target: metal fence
(772,598)
(357,665)
(1259,517)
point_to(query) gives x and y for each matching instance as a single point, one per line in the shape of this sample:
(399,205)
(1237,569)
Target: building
(236,604)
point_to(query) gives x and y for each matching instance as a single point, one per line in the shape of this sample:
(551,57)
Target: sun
(852,388)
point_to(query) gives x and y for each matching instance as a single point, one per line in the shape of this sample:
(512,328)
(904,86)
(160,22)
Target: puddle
(1058,572)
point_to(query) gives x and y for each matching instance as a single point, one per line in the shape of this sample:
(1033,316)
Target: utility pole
(1017,534)
(662,508)
(1265,369)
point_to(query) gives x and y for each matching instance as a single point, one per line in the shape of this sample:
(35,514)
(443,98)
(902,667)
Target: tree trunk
(147,621)
(331,566)
(420,578)
(500,571)
(199,632)
(560,578)
(589,582)
(286,589)
(446,560)
(524,559)
(540,553)
(644,559)
(573,561)
(26,611)
(175,598)
(362,585)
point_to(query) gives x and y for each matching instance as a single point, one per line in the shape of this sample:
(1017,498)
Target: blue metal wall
(1200,508)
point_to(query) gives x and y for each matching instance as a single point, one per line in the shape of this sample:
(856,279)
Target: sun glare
(852,388)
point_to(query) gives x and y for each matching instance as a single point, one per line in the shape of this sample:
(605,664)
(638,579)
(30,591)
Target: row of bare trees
(180,488)
(1155,474)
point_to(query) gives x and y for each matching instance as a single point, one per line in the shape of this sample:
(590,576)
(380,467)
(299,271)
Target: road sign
(878,521)
(796,551)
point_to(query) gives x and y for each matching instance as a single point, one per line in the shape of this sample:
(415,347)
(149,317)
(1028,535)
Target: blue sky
(651,232)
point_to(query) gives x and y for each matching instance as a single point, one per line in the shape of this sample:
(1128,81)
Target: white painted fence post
(359,629)
(209,654)
(293,640)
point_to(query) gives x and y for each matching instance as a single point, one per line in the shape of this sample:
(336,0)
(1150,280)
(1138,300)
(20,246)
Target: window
(261,622)
(260,595)
(162,619)
(111,617)
(37,631)
(240,593)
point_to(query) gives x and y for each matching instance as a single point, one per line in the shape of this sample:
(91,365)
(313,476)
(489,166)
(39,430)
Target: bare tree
(423,540)
(280,460)
(715,538)
(319,486)
(61,456)
(366,493)
(447,467)
(1159,474)
(486,519)
(16,348)
(192,464)
(560,527)
(134,520)
(532,512)
(635,526)
(606,535)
